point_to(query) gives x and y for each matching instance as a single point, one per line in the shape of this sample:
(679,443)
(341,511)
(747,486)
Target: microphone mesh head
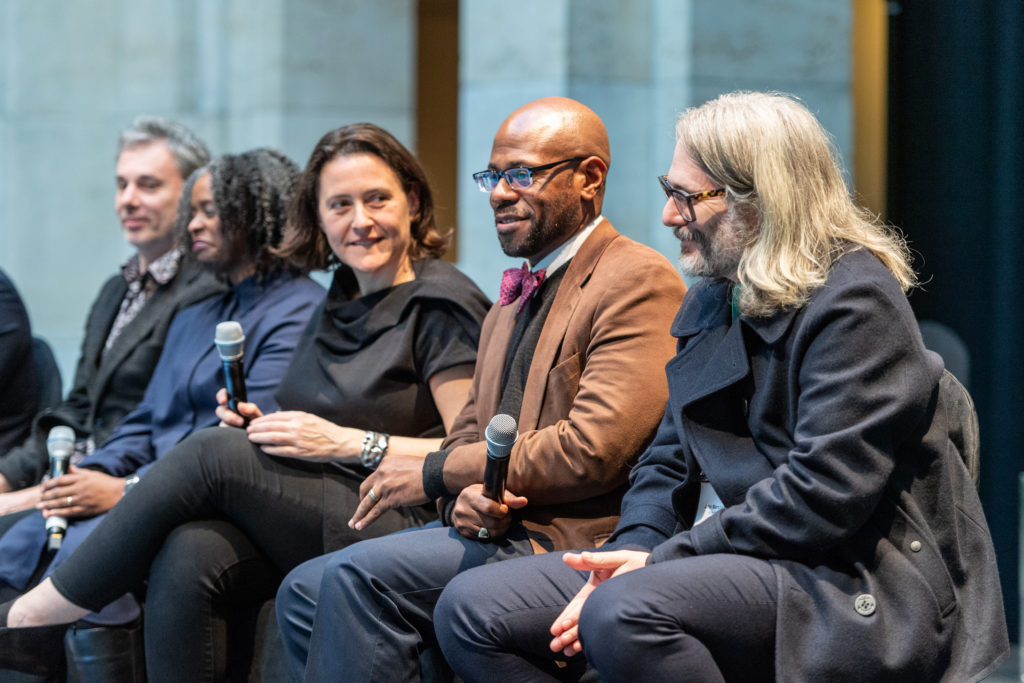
(61,433)
(229,339)
(502,430)
(60,442)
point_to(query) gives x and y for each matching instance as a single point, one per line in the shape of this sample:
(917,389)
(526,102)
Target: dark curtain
(956,187)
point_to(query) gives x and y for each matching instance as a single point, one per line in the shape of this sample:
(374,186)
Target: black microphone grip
(230,340)
(234,382)
(500,435)
(495,474)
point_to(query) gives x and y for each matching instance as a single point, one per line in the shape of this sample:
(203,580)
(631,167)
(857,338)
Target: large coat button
(915,546)
(864,604)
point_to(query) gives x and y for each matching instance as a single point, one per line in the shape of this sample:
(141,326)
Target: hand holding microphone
(230,341)
(482,510)
(501,435)
(60,444)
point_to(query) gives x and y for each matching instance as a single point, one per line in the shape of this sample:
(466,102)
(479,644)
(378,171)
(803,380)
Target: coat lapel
(549,344)
(106,311)
(138,329)
(711,389)
(491,364)
(709,383)
(713,360)
(712,354)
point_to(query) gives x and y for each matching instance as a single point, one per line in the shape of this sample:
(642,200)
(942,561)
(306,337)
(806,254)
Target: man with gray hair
(125,330)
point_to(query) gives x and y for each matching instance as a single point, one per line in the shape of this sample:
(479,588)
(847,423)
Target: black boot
(32,649)
(106,654)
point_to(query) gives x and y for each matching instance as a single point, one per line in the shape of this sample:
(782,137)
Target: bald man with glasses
(574,350)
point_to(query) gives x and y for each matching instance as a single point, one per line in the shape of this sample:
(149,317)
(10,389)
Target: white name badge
(708,504)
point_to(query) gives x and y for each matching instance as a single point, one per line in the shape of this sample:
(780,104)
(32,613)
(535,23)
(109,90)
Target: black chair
(947,343)
(962,418)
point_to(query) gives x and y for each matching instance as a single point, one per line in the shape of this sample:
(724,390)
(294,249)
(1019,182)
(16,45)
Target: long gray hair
(778,166)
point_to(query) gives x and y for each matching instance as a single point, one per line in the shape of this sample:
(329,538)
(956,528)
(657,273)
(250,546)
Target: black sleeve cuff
(637,537)
(433,475)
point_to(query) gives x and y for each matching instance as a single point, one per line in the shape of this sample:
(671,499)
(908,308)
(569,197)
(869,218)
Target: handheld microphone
(501,435)
(229,340)
(60,444)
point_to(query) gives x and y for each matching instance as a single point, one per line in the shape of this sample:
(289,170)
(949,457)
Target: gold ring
(373,496)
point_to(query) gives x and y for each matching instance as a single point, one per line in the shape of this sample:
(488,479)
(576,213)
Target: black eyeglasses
(517,178)
(684,200)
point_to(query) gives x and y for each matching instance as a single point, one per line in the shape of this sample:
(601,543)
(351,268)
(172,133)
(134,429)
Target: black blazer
(106,388)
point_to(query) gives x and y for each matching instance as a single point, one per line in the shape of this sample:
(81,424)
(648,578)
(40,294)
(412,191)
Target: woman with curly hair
(232,215)
(381,372)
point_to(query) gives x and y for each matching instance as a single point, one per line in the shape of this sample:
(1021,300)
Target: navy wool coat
(822,430)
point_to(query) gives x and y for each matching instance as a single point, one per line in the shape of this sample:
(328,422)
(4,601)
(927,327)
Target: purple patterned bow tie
(519,283)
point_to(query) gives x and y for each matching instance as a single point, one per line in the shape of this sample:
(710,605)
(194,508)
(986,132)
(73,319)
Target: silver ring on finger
(373,496)
(69,501)
(483,534)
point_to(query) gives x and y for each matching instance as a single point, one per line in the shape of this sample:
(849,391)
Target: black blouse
(366,362)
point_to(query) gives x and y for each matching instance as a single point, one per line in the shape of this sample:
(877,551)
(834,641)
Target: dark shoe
(32,649)
(106,654)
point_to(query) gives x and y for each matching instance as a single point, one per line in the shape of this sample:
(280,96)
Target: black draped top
(366,362)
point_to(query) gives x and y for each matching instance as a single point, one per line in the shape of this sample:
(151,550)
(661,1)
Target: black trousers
(281,510)
(206,587)
(708,618)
